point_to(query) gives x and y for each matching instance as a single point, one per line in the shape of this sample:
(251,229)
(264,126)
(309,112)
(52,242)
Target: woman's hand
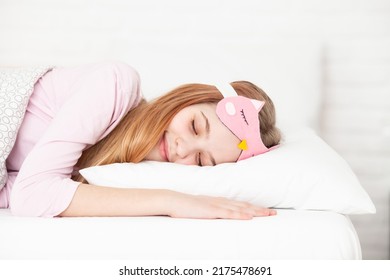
(206,207)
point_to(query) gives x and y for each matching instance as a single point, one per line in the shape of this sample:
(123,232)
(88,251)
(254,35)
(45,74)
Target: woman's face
(196,136)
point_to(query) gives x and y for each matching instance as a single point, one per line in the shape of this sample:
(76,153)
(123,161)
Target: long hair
(140,130)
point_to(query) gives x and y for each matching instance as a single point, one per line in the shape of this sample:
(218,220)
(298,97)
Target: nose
(187,150)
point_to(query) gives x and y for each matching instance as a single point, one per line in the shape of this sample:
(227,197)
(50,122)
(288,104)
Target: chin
(154,155)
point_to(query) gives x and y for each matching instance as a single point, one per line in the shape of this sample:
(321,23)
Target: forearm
(96,201)
(99,201)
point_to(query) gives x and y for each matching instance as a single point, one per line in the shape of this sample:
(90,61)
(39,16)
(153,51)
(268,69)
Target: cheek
(225,143)
(178,125)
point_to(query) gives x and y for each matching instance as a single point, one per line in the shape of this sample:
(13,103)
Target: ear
(258,104)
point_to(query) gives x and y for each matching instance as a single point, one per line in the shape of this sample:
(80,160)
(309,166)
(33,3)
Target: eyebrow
(208,134)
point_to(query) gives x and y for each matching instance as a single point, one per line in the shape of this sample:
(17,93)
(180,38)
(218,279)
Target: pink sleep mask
(240,115)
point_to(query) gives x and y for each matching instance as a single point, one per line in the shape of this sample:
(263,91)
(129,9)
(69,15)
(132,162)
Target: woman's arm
(92,200)
(85,104)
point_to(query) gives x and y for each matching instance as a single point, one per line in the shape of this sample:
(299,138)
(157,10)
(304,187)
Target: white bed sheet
(292,234)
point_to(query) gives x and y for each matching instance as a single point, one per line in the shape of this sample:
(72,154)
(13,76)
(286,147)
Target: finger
(235,214)
(261,212)
(239,208)
(243,209)
(247,208)
(256,210)
(235,204)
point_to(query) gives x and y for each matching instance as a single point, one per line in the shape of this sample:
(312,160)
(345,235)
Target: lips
(163,148)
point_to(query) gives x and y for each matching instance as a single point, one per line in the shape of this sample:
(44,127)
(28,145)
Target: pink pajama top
(70,109)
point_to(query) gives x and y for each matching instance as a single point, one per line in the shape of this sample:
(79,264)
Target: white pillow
(303,173)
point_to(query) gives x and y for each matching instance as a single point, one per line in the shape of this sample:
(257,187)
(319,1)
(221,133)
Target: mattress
(292,234)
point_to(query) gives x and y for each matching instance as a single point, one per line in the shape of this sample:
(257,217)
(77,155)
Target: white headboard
(291,74)
(171,42)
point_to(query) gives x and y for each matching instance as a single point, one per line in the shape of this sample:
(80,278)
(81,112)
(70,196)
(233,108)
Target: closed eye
(199,160)
(198,156)
(193,127)
(243,116)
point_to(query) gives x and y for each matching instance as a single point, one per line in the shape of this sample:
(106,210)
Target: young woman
(95,115)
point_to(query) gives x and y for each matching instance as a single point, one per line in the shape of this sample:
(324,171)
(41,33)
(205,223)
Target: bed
(292,234)
(314,196)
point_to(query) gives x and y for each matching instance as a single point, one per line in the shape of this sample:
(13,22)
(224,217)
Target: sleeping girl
(95,115)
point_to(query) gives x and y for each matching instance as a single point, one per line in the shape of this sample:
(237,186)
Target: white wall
(356,62)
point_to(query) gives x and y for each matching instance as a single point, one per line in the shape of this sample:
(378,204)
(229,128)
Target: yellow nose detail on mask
(243,145)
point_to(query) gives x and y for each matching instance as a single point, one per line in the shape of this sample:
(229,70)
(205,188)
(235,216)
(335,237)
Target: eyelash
(193,127)
(243,116)
(198,158)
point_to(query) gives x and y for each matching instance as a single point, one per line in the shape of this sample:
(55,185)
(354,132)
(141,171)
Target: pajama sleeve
(95,105)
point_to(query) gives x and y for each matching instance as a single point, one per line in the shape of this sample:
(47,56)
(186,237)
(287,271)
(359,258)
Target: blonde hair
(140,130)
